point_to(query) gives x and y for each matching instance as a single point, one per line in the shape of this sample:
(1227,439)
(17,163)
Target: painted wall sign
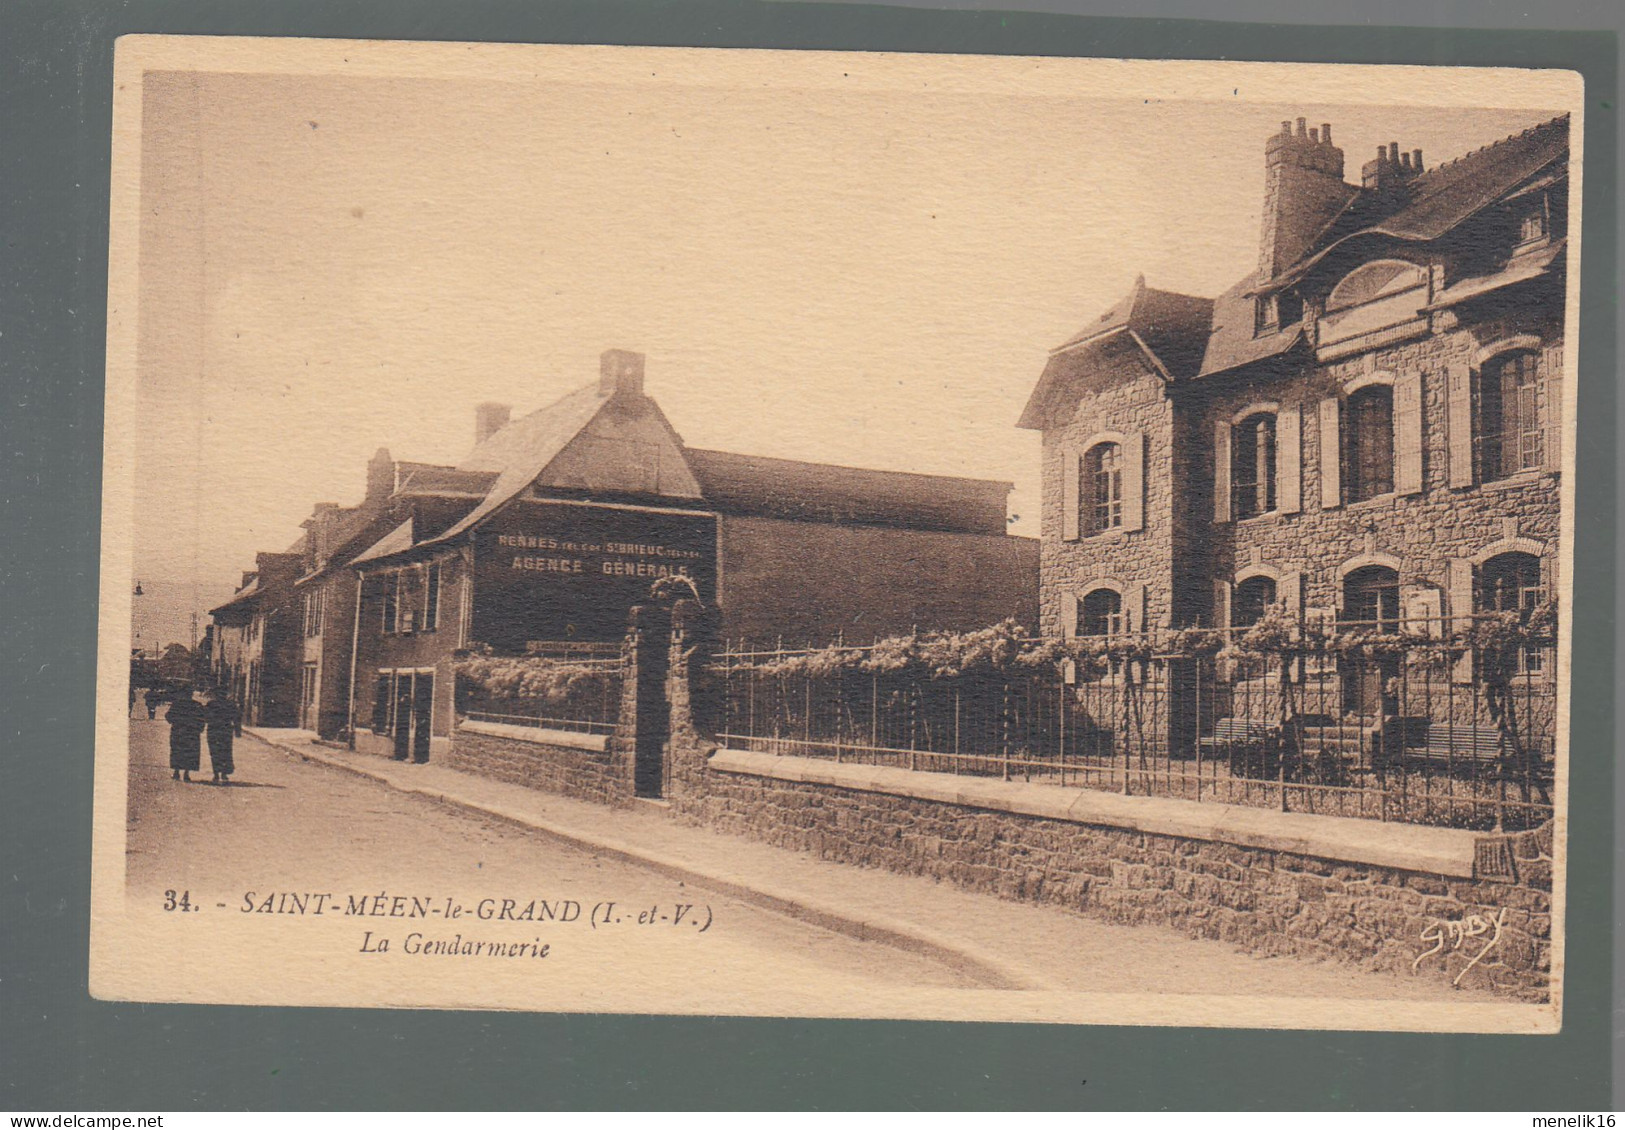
(552,571)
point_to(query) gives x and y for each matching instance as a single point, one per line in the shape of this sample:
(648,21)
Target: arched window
(1375,281)
(1252,599)
(1102,488)
(1510,435)
(1100,614)
(1252,465)
(1371,598)
(1510,582)
(1368,455)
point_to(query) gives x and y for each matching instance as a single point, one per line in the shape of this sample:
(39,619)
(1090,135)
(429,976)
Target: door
(403,716)
(422,716)
(654,711)
(1370,604)
(307,698)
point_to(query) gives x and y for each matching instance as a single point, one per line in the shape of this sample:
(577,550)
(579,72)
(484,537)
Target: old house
(1365,429)
(256,640)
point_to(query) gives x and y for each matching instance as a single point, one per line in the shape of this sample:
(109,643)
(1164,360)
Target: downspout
(355,649)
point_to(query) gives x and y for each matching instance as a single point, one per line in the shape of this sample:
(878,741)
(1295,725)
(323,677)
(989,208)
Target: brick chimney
(1391,169)
(489,418)
(1303,190)
(380,476)
(620,371)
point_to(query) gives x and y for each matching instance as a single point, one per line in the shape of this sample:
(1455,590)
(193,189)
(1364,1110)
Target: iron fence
(1407,731)
(558,685)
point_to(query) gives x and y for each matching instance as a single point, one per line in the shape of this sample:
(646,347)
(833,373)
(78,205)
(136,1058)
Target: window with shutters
(1101,493)
(1511,582)
(1511,435)
(1100,614)
(381,700)
(1252,466)
(392,602)
(1368,444)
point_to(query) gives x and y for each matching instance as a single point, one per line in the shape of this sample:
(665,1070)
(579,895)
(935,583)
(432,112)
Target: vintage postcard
(595,529)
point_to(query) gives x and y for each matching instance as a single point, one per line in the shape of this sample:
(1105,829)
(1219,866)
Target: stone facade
(1417,306)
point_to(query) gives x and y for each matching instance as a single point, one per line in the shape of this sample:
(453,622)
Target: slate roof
(1431,205)
(1443,197)
(393,542)
(1167,327)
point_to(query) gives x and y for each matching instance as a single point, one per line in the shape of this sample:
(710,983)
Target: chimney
(489,418)
(1303,190)
(1391,169)
(620,372)
(248,575)
(380,476)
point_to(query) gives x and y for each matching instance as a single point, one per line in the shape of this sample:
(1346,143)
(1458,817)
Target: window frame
(1262,480)
(1097,515)
(1361,438)
(1113,617)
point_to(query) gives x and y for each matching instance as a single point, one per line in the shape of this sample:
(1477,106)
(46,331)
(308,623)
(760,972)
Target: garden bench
(1446,742)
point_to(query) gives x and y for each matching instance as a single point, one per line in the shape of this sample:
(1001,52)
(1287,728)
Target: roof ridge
(1442,165)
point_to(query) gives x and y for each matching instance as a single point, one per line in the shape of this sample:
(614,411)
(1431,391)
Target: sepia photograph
(835,534)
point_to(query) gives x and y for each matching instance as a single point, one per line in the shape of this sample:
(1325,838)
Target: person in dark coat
(225,723)
(186,722)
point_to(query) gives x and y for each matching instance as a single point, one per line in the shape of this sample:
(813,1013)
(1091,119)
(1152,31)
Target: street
(286,825)
(288,829)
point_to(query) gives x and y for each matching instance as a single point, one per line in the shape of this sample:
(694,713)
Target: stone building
(1365,428)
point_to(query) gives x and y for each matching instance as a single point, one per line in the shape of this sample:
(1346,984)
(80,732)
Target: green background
(62,1051)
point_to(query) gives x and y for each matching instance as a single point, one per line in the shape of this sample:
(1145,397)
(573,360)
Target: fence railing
(1368,724)
(564,685)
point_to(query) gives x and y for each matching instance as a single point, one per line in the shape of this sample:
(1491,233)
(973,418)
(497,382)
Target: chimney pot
(1416,159)
(1325,133)
(1393,152)
(1301,122)
(620,371)
(489,418)
(380,475)
(1314,136)
(1286,128)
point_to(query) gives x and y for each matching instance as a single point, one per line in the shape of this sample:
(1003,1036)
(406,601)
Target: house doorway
(403,716)
(307,697)
(422,715)
(1370,604)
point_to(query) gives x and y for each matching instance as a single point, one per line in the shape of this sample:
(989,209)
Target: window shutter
(1552,422)
(1408,433)
(1289,592)
(1289,460)
(1331,456)
(1134,608)
(1221,471)
(1461,614)
(1071,504)
(1134,482)
(1069,614)
(1221,621)
(1459,424)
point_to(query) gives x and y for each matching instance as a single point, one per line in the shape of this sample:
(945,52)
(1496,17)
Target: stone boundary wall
(1381,896)
(584,766)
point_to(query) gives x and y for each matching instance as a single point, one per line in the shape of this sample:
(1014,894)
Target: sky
(329,265)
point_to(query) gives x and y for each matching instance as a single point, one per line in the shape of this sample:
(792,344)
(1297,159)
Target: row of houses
(1366,427)
(557,523)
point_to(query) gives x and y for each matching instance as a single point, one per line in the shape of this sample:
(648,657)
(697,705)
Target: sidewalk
(999,943)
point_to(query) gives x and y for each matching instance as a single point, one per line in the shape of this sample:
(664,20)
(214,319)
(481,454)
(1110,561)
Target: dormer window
(1534,224)
(1273,312)
(1377,296)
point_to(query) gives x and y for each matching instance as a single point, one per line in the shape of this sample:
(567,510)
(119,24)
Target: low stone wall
(1382,896)
(583,766)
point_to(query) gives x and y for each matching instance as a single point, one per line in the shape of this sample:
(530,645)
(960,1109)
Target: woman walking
(186,722)
(225,723)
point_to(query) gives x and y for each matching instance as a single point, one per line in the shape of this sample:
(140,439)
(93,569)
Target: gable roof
(393,542)
(786,488)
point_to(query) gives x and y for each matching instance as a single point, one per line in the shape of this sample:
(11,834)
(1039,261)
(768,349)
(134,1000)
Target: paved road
(287,825)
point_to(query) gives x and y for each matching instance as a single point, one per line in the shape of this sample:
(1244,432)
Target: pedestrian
(186,722)
(225,723)
(153,696)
